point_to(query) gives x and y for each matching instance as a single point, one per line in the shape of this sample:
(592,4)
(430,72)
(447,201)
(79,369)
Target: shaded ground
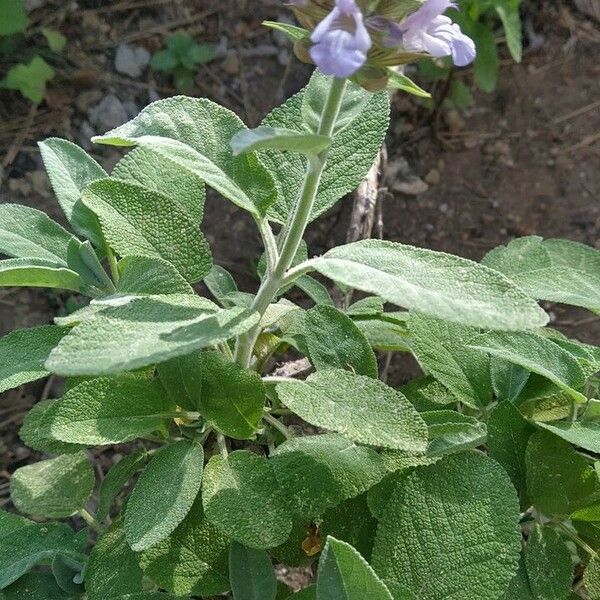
(523,161)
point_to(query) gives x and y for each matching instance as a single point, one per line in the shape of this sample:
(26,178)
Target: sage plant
(477,480)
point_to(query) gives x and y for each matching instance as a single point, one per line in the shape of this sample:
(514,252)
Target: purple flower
(428,30)
(341,40)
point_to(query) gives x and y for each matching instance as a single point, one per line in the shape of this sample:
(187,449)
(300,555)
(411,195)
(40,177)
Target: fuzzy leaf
(441,349)
(118,475)
(35,272)
(150,170)
(110,411)
(242,498)
(54,488)
(23,353)
(145,331)
(345,575)
(334,341)
(549,565)
(164,494)
(559,480)
(591,577)
(319,472)
(434,283)
(35,586)
(193,133)
(364,409)
(143,275)
(138,221)
(278,138)
(70,170)
(193,560)
(252,574)
(231,398)
(508,379)
(443,523)
(24,544)
(29,233)
(348,161)
(537,354)
(450,431)
(584,434)
(553,270)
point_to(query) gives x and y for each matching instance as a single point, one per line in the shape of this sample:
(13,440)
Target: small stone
(413,186)
(454,121)
(87,99)
(19,186)
(108,113)
(86,133)
(131,60)
(231,64)
(433,177)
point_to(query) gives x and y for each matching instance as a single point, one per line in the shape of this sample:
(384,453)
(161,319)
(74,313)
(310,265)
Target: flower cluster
(353,36)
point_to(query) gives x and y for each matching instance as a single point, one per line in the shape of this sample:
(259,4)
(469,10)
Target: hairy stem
(287,434)
(296,225)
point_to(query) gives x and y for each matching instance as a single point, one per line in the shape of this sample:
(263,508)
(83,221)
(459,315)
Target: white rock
(131,60)
(108,114)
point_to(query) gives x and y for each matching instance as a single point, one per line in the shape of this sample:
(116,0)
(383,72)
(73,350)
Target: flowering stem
(297,225)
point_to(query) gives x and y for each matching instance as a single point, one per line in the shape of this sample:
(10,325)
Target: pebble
(454,121)
(433,177)
(108,114)
(413,186)
(87,99)
(131,60)
(231,64)
(86,133)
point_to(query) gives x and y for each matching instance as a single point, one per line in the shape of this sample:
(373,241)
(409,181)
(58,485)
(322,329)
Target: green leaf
(35,586)
(364,409)
(399,81)
(138,221)
(36,431)
(487,62)
(182,379)
(66,571)
(553,270)
(507,438)
(434,283)
(591,578)
(441,347)
(176,471)
(537,354)
(559,480)
(549,565)
(383,334)
(450,431)
(443,523)
(518,588)
(345,575)
(508,379)
(150,170)
(193,560)
(232,398)
(70,170)
(29,233)
(426,393)
(371,306)
(164,60)
(110,411)
(82,259)
(35,272)
(308,593)
(334,341)
(193,133)
(293,32)
(511,21)
(112,569)
(145,331)
(14,17)
(54,488)
(348,160)
(23,353)
(118,475)
(584,434)
(243,499)
(29,79)
(141,275)
(319,472)
(56,40)
(252,574)
(24,544)
(278,138)
(315,290)
(220,282)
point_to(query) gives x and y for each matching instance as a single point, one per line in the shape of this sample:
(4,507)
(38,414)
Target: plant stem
(575,538)
(287,434)
(297,225)
(89,519)
(222,444)
(269,242)
(112,263)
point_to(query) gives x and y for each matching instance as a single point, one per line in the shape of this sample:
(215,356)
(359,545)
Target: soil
(522,161)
